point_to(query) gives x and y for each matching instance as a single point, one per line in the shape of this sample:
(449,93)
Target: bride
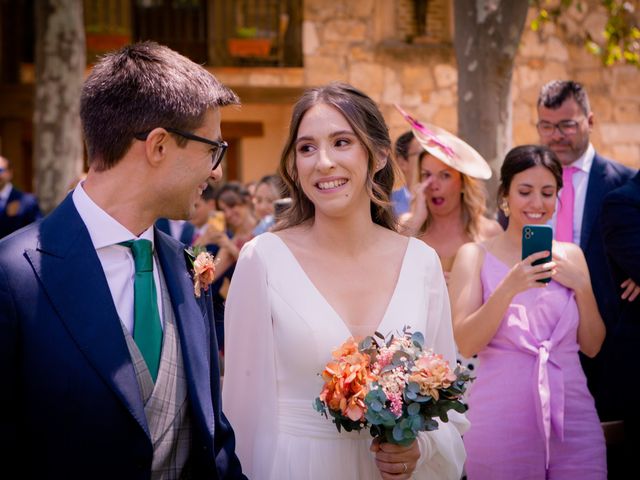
(334,268)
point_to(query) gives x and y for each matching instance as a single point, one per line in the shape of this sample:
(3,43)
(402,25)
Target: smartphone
(537,238)
(216,221)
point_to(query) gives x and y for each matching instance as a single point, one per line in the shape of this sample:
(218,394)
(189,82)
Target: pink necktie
(564,220)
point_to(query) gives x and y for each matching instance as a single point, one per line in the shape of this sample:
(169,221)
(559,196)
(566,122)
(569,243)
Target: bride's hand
(394,461)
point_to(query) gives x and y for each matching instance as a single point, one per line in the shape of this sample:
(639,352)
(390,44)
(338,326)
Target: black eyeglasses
(216,155)
(565,127)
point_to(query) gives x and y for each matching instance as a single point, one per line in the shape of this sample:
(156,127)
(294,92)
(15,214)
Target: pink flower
(204,271)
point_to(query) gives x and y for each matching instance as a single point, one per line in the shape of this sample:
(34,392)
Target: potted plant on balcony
(248,43)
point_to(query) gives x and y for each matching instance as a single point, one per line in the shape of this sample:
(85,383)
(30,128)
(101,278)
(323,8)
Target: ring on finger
(404,468)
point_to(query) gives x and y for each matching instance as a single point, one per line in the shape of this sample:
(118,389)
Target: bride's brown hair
(368,124)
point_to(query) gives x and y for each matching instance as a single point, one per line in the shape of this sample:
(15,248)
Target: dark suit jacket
(186,235)
(70,401)
(605,175)
(621,229)
(27,212)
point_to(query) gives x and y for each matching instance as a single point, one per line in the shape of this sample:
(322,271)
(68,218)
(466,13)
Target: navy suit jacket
(605,175)
(186,235)
(70,401)
(27,212)
(621,229)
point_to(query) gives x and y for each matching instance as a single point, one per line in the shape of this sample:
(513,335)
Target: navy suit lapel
(192,326)
(162,224)
(593,200)
(70,271)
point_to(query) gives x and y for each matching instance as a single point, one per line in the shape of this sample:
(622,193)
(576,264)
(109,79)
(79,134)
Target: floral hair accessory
(203,269)
(395,389)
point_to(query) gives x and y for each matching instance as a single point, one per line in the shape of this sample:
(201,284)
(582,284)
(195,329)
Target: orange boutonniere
(13,208)
(203,269)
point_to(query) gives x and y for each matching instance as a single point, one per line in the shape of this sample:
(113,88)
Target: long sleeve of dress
(249,386)
(442,451)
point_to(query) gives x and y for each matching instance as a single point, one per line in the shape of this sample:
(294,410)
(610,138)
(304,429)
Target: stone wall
(364,42)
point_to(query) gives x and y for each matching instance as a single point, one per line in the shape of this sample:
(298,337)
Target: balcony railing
(225,32)
(256,33)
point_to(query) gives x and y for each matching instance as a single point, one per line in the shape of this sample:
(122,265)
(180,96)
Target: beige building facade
(364,42)
(379,46)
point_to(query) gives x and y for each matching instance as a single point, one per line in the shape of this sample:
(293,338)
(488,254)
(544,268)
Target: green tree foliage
(620,41)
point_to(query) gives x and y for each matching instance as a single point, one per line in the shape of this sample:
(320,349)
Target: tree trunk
(60,66)
(487,35)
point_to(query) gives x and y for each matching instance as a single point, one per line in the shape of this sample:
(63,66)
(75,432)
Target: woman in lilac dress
(531,414)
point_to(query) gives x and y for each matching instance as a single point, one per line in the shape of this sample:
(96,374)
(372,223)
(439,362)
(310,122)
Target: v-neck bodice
(280,332)
(299,274)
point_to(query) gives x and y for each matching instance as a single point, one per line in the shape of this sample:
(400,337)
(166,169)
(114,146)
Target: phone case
(537,238)
(217,221)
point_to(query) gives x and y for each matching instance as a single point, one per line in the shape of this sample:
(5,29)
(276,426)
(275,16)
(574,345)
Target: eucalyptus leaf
(413,408)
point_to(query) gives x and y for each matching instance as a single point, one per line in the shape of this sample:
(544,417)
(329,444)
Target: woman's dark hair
(369,126)
(232,194)
(276,183)
(523,158)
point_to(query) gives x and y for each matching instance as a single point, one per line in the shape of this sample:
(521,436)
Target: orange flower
(204,272)
(346,381)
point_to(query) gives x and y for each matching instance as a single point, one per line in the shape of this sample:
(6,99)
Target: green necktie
(147,331)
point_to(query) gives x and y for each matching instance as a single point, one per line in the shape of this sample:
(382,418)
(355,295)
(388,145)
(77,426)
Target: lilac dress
(531,414)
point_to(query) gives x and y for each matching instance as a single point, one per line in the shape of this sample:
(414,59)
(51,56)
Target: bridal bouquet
(394,388)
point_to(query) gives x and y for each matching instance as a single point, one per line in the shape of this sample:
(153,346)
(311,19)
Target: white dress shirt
(580,184)
(117,260)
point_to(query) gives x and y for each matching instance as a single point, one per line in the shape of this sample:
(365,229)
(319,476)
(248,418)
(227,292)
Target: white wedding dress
(279,334)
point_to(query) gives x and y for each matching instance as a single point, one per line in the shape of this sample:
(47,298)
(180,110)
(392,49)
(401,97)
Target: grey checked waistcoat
(165,403)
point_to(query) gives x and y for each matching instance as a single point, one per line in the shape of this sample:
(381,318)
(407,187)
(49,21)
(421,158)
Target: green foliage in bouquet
(395,388)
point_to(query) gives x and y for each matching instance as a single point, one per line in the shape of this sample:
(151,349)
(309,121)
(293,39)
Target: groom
(107,357)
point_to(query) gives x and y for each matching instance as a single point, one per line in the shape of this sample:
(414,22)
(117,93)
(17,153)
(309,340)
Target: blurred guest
(203,210)
(268,189)
(181,230)
(17,209)
(531,413)
(407,150)
(206,225)
(251,187)
(235,202)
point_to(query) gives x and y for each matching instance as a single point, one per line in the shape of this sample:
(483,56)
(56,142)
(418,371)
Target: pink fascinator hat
(448,148)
